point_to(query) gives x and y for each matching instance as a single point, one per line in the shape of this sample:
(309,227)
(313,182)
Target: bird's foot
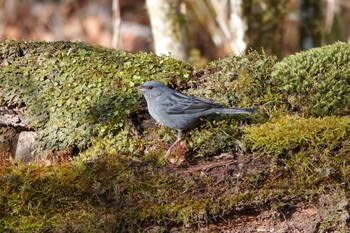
(179,152)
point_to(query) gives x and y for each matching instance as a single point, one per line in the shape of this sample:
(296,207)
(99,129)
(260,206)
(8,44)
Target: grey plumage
(179,111)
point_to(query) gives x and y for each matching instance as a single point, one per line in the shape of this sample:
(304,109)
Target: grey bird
(178,111)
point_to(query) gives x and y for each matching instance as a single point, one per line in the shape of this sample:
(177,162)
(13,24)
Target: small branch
(206,166)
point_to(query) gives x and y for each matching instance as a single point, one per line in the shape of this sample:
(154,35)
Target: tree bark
(168,28)
(238,27)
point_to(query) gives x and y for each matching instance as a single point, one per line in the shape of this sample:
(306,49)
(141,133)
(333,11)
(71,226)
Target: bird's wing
(179,103)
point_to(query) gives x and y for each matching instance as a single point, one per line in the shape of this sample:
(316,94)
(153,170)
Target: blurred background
(212,28)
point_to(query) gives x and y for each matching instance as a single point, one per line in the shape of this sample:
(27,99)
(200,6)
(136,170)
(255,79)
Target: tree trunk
(310,24)
(238,26)
(168,28)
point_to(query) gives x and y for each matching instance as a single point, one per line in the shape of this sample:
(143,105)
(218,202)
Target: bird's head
(152,89)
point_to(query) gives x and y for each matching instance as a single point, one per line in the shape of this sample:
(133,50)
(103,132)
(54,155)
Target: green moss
(214,137)
(100,195)
(316,82)
(112,194)
(80,95)
(74,92)
(289,133)
(118,194)
(307,155)
(242,80)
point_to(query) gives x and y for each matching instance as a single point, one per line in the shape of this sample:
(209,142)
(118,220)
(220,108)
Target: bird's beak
(140,88)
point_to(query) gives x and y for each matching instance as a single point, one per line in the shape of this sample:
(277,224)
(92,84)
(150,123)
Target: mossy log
(292,154)
(77,95)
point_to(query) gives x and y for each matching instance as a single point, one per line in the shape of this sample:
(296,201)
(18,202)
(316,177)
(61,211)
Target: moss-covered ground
(293,152)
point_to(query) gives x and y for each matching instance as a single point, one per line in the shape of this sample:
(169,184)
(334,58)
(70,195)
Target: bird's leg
(179,138)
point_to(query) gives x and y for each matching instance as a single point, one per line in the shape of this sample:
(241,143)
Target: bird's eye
(150,87)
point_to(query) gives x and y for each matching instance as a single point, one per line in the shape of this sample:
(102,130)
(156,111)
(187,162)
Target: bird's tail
(235,110)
